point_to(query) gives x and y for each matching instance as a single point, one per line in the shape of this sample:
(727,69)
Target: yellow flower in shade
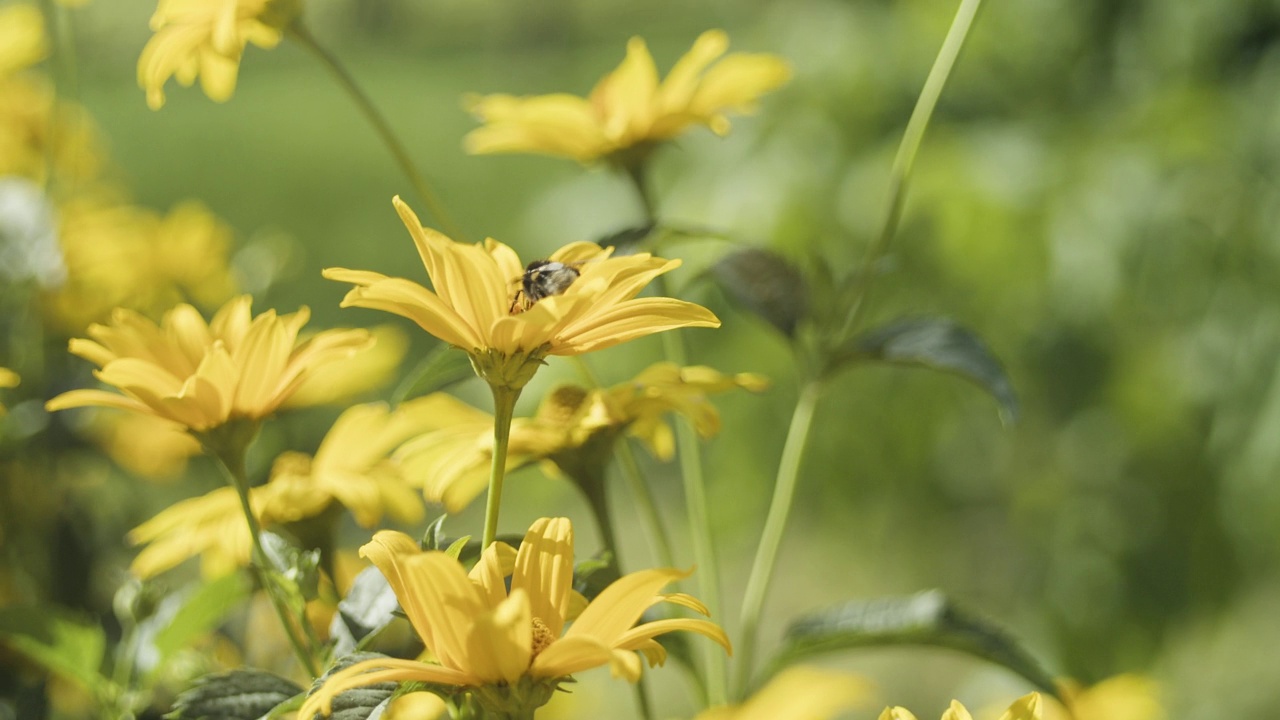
(474,305)
(350,467)
(1123,697)
(203,375)
(22,38)
(206,38)
(574,428)
(8,379)
(508,643)
(1027,707)
(630,109)
(797,693)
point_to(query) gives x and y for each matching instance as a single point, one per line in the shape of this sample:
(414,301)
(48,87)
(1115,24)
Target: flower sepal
(230,441)
(506,701)
(509,371)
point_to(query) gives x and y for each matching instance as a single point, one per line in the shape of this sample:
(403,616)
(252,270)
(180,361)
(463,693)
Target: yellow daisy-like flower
(203,375)
(350,467)
(1123,697)
(574,427)
(474,303)
(630,109)
(797,693)
(206,38)
(508,643)
(8,379)
(22,38)
(1027,707)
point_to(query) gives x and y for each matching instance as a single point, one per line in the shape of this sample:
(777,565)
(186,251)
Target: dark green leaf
(358,703)
(940,344)
(626,237)
(299,567)
(234,695)
(443,366)
(433,538)
(928,619)
(186,615)
(766,284)
(58,641)
(368,607)
(593,575)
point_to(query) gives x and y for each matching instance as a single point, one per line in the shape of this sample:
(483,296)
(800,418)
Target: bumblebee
(541,279)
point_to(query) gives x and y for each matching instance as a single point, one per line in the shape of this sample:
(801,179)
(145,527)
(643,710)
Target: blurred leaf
(300,567)
(625,238)
(443,366)
(369,606)
(940,344)
(362,703)
(455,549)
(433,537)
(234,695)
(58,641)
(928,619)
(765,284)
(186,615)
(593,575)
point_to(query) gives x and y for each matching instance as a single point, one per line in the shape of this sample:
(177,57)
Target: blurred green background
(1096,198)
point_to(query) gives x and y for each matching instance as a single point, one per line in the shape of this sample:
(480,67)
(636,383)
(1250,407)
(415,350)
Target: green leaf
(765,284)
(928,619)
(58,641)
(369,606)
(455,549)
(433,537)
(362,703)
(185,615)
(593,575)
(234,695)
(626,238)
(940,344)
(301,568)
(443,366)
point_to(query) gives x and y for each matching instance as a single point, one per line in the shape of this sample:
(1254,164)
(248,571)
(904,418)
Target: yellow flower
(574,427)
(630,108)
(797,693)
(207,38)
(1123,697)
(350,467)
(8,379)
(40,132)
(145,445)
(510,646)
(1027,707)
(351,377)
(473,305)
(22,38)
(203,375)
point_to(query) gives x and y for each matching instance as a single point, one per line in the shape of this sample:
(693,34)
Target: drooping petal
(380,670)
(621,604)
(633,638)
(570,655)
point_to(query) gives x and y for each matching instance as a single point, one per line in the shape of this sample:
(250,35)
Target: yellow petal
(380,670)
(632,639)
(625,97)
(544,570)
(678,87)
(956,712)
(1027,707)
(570,655)
(621,604)
(808,693)
(897,713)
(500,642)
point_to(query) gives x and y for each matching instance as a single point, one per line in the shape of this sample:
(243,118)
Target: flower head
(501,639)
(574,427)
(630,109)
(203,375)
(473,304)
(206,38)
(1027,707)
(797,693)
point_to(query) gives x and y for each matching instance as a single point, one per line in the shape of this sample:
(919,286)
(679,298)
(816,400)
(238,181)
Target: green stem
(371,113)
(775,524)
(239,478)
(910,146)
(504,406)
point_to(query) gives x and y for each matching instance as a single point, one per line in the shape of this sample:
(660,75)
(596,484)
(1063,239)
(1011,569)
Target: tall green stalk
(299,32)
(504,406)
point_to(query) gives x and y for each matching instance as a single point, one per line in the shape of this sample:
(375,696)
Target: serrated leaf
(928,619)
(358,703)
(940,344)
(369,606)
(58,641)
(443,366)
(185,615)
(765,284)
(234,695)
(299,567)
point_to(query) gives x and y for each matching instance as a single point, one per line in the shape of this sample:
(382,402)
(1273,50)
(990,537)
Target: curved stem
(504,406)
(775,525)
(910,145)
(239,479)
(371,113)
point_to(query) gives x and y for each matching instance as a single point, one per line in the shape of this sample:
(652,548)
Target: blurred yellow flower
(8,379)
(350,467)
(474,304)
(630,110)
(351,377)
(202,375)
(574,427)
(206,38)
(797,693)
(506,645)
(22,38)
(41,134)
(1028,707)
(146,445)
(416,706)
(1123,697)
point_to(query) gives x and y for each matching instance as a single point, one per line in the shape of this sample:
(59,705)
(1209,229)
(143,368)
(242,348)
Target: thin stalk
(775,524)
(504,407)
(910,146)
(371,113)
(238,476)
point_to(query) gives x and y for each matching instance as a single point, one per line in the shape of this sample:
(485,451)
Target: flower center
(542,637)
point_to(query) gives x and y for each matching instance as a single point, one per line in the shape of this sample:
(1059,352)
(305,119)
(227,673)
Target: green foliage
(370,605)
(184,616)
(234,695)
(59,641)
(442,367)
